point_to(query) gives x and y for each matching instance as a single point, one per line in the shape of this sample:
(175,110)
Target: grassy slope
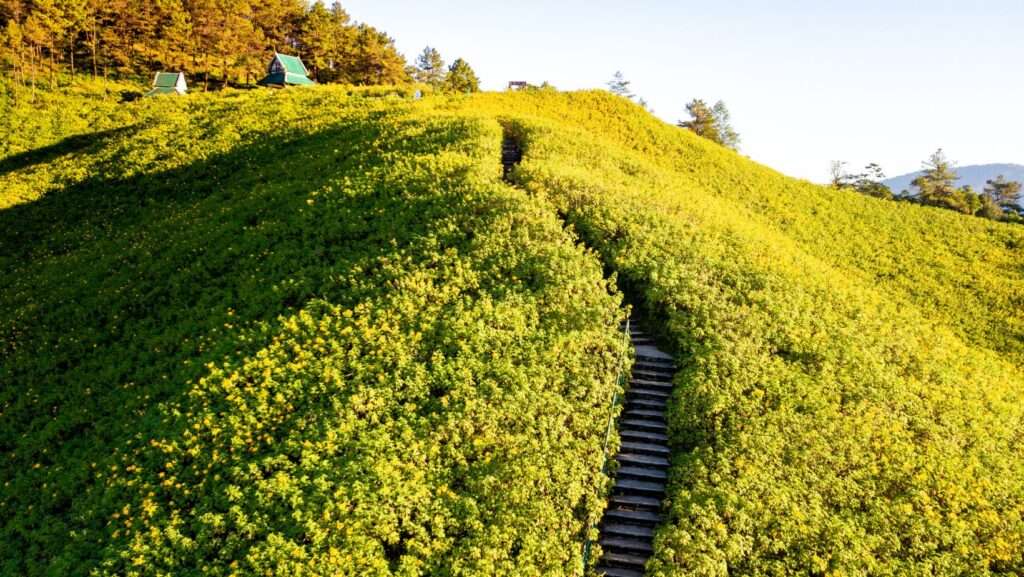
(294,333)
(851,399)
(850,403)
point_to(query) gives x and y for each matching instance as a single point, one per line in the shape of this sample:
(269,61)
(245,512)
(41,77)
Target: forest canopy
(215,40)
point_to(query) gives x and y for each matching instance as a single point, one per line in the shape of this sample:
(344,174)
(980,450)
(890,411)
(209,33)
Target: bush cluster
(296,333)
(850,400)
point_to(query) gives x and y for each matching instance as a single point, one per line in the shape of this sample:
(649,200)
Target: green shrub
(296,333)
(828,419)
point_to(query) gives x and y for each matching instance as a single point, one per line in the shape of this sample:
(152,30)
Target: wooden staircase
(511,154)
(634,509)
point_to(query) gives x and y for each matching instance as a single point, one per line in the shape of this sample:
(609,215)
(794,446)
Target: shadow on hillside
(116,293)
(78,143)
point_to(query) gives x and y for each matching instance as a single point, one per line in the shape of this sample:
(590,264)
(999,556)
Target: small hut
(168,83)
(284,70)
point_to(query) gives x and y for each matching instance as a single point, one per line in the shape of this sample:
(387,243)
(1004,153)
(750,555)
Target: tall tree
(936,185)
(325,38)
(280,22)
(727,135)
(837,174)
(619,85)
(375,59)
(461,78)
(430,68)
(1005,194)
(227,40)
(870,183)
(702,120)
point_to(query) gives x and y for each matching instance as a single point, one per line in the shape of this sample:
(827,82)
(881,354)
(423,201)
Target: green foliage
(328,341)
(294,333)
(1004,193)
(619,86)
(711,122)
(851,397)
(935,186)
(868,182)
(430,68)
(461,78)
(228,41)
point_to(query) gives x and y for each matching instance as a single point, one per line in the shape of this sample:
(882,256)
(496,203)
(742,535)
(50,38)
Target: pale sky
(806,81)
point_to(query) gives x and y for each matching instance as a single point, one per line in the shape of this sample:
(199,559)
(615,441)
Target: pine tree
(430,68)
(936,185)
(226,39)
(702,120)
(870,183)
(375,59)
(1006,194)
(727,136)
(461,78)
(618,85)
(324,38)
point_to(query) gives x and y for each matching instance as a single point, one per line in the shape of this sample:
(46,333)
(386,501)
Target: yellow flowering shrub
(292,333)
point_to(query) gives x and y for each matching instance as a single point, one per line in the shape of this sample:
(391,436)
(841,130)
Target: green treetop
(936,185)
(1004,193)
(619,85)
(461,78)
(430,68)
(702,120)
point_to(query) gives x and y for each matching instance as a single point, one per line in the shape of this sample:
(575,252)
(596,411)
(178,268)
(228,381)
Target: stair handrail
(620,384)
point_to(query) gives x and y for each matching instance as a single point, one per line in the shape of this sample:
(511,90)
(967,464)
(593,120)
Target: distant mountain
(974,175)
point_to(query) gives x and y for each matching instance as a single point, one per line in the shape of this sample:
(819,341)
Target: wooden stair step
(648,404)
(653,368)
(652,415)
(633,531)
(654,376)
(632,486)
(663,386)
(642,436)
(624,560)
(620,544)
(665,361)
(638,502)
(643,425)
(642,473)
(642,460)
(644,448)
(649,352)
(612,571)
(645,393)
(626,516)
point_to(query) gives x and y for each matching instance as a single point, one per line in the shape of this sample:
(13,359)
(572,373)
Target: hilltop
(974,175)
(313,332)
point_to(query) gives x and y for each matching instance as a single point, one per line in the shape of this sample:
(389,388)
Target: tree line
(220,41)
(1000,199)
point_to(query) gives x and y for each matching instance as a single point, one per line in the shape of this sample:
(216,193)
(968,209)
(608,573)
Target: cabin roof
(168,83)
(166,79)
(290,71)
(282,78)
(291,64)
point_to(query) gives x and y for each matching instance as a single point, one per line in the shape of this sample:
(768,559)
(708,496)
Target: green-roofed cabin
(168,83)
(285,70)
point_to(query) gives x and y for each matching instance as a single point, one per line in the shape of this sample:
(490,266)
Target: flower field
(312,332)
(851,396)
(303,333)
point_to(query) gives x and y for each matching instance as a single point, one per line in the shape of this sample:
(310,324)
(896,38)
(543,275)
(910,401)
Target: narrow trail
(634,507)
